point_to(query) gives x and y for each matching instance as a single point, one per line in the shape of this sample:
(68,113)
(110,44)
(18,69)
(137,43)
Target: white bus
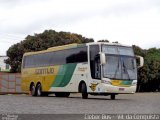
(93,68)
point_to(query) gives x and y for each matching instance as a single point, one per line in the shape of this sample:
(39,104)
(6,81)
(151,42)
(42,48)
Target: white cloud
(127,21)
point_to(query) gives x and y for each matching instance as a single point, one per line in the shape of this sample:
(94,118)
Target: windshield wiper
(117,69)
(125,69)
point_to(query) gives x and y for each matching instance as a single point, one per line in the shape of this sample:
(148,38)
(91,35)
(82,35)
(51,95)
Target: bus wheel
(39,90)
(33,90)
(84,91)
(113,96)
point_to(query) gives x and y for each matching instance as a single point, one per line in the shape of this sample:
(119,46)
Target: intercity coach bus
(92,68)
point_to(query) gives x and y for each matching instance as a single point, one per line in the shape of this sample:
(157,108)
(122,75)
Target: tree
(103,41)
(149,74)
(115,42)
(42,41)
(153,62)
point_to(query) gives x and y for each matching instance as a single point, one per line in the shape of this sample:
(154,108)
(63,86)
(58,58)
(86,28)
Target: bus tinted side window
(75,55)
(95,62)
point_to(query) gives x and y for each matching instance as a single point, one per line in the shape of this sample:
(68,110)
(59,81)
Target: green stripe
(126,82)
(64,75)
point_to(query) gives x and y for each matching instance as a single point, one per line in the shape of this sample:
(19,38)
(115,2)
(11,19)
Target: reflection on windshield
(120,67)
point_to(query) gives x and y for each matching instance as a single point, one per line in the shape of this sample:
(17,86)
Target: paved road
(144,103)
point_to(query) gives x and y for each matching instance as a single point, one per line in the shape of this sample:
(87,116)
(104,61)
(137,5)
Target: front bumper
(117,89)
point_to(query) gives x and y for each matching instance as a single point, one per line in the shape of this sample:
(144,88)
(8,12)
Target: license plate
(121,89)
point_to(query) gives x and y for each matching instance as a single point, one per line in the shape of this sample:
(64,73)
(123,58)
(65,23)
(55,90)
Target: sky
(126,21)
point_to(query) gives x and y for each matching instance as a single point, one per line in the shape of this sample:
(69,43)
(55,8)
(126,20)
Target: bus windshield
(121,64)
(120,67)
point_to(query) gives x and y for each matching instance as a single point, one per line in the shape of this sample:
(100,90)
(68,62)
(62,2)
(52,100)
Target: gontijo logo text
(44,71)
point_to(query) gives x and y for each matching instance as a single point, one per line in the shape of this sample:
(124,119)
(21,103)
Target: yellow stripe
(52,49)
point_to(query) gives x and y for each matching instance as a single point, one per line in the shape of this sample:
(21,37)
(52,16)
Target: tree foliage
(37,42)
(149,74)
(103,41)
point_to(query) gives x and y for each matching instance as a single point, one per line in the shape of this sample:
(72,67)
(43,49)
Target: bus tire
(39,90)
(84,91)
(33,90)
(113,96)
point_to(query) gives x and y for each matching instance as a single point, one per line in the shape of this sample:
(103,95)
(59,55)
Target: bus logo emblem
(93,86)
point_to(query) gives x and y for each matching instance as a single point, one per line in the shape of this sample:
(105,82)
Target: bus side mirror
(141,61)
(102,58)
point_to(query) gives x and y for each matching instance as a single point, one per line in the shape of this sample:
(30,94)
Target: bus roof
(56,48)
(107,43)
(74,45)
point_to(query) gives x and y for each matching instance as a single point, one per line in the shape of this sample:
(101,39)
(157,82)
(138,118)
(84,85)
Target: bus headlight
(134,83)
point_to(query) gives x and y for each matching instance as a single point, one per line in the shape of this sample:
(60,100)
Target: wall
(10,83)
